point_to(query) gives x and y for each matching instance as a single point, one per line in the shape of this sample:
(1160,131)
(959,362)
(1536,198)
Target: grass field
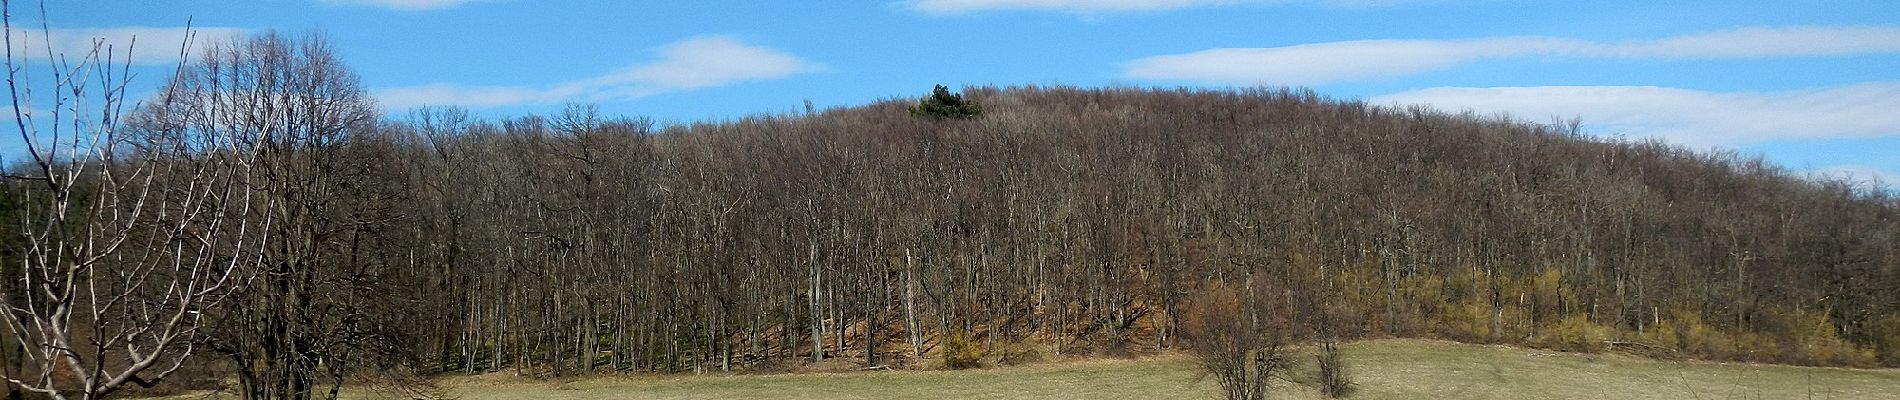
(1385,369)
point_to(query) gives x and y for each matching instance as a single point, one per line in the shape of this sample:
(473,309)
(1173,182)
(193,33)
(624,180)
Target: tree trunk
(817,314)
(910,306)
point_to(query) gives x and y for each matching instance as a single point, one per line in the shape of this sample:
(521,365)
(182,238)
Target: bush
(1468,320)
(1686,332)
(943,104)
(1808,337)
(1887,340)
(961,352)
(1331,376)
(1239,335)
(1575,333)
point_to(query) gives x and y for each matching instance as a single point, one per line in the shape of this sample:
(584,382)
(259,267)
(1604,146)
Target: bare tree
(660,251)
(1240,336)
(324,302)
(126,239)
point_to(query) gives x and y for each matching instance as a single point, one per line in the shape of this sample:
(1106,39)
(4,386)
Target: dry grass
(1385,369)
(1160,378)
(1400,369)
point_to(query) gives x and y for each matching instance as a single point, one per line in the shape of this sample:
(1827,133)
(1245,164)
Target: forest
(262,219)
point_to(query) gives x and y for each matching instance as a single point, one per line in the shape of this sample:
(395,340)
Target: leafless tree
(325,301)
(1240,335)
(127,238)
(1082,219)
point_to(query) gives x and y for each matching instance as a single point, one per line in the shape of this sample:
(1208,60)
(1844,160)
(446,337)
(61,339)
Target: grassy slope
(1412,369)
(1385,369)
(1151,379)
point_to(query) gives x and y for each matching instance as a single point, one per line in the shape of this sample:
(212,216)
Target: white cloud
(404,5)
(1326,62)
(1102,6)
(1697,118)
(1318,63)
(694,63)
(152,45)
(1760,43)
(706,62)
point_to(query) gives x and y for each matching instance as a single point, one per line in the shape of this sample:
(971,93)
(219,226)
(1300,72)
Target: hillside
(1058,221)
(1080,218)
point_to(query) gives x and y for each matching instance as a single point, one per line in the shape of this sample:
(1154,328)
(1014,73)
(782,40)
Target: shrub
(1331,376)
(961,352)
(1808,337)
(1575,333)
(943,104)
(1239,336)
(1468,320)
(1887,340)
(1686,332)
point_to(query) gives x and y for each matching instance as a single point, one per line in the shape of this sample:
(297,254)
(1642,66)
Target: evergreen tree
(943,104)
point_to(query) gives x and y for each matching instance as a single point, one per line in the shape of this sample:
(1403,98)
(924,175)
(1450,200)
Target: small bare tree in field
(125,236)
(1331,376)
(1240,335)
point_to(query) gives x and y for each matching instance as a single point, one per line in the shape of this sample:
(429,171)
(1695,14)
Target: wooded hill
(1080,218)
(1057,219)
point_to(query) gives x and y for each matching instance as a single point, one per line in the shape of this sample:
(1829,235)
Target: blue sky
(1811,85)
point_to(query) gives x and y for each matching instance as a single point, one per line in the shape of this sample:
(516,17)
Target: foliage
(1886,333)
(943,104)
(1808,337)
(1574,333)
(960,351)
(1687,332)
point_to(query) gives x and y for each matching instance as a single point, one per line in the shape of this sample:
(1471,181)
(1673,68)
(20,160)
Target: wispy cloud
(403,5)
(1310,64)
(1698,118)
(694,63)
(153,45)
(1112,6)
(1859,174)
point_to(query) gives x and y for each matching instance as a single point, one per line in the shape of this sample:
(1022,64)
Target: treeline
(1059,219)
(1080,218)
